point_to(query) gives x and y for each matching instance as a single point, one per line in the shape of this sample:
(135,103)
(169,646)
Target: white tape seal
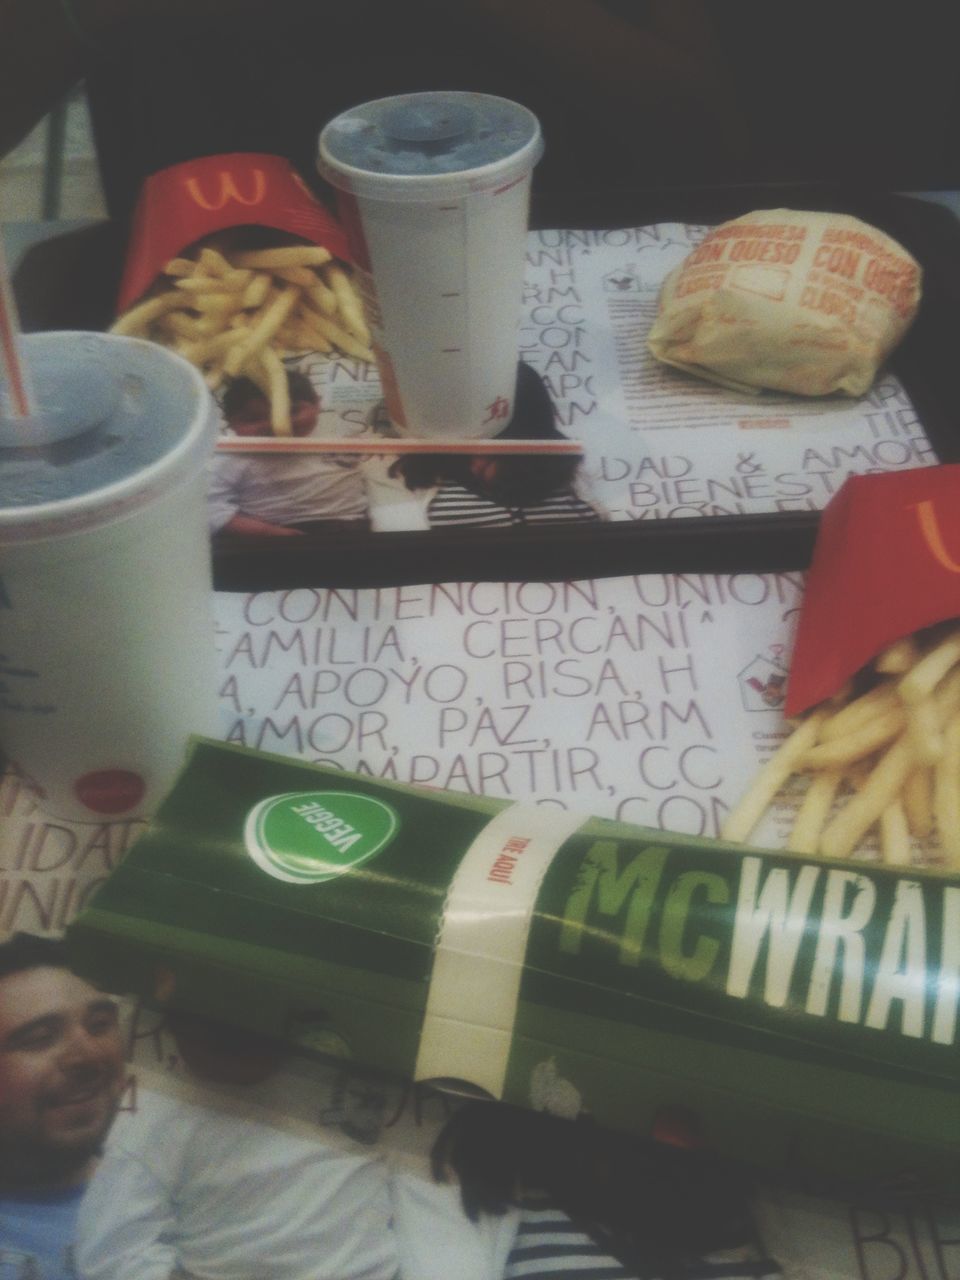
(475,984)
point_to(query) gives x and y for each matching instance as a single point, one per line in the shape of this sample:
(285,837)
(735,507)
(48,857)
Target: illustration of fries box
(237,265)
(807,1011)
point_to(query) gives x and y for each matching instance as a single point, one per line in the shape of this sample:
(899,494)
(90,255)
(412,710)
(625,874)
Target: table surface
(822,1234)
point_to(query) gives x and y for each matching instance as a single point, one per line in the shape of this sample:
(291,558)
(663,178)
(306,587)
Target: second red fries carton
(886,564)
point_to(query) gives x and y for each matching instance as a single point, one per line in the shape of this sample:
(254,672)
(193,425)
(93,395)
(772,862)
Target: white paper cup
(434,192)
(107,656)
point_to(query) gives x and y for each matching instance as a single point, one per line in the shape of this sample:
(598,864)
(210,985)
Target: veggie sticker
(305,837)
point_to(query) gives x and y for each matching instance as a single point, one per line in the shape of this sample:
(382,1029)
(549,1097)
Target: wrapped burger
(788,300)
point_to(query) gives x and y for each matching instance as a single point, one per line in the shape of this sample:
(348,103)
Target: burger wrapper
(182,204)
(886,563)
(804,302)
(805,1011)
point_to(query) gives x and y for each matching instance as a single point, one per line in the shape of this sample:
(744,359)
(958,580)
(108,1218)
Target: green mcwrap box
(806,1010)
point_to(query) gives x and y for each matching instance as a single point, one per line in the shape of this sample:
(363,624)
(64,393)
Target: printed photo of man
(61,1078)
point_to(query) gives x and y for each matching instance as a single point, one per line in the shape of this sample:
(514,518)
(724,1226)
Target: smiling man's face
(61,1075)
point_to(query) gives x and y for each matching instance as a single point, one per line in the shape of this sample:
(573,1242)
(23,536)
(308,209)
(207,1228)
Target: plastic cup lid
(75,396)
(121,421)
(409,146)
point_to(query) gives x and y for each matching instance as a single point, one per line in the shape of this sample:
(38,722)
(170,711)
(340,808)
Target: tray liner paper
(886,563)
(807,1011)
(182,204)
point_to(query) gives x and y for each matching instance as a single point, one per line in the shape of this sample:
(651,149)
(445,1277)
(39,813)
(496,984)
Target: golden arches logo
(930,529)
(228,190)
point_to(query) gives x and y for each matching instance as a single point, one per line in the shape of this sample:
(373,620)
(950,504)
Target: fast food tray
(925,363)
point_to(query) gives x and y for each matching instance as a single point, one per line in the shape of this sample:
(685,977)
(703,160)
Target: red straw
(21,401)
(385,445)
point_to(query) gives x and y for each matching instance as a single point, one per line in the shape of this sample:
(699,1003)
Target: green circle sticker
(304,837)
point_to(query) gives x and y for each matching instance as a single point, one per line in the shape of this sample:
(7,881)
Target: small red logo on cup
(110,790)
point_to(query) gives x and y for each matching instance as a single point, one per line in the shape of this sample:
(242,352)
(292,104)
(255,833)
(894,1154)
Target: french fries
(239,313)
(886,761)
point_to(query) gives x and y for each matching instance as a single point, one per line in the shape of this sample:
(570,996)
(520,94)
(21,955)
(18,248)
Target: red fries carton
(186,202)
(886,564)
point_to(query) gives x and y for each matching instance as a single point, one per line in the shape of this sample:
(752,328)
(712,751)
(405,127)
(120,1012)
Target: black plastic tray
(926,362)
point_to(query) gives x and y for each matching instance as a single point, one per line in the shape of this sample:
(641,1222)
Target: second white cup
(107,653)
(434,193)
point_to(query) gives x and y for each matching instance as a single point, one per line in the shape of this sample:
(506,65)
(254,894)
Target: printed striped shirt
(549,1245)
(454,505)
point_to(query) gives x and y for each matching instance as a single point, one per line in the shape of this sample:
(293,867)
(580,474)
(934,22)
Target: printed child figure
(286,495)
(209,1181)
(478,491)
(201,1183)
